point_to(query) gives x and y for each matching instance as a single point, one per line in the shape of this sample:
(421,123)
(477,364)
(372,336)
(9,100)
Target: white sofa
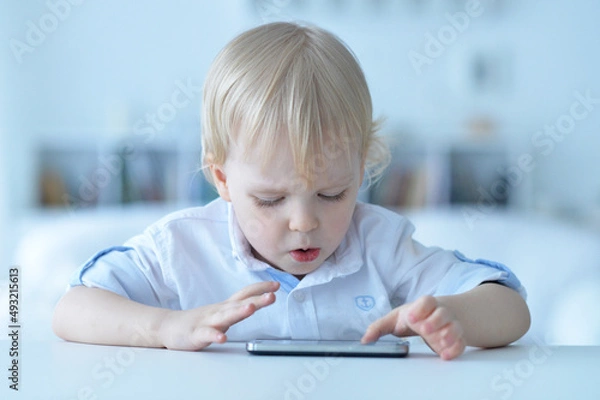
(558,263)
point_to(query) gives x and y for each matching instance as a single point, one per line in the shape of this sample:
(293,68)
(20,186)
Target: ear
(220,180)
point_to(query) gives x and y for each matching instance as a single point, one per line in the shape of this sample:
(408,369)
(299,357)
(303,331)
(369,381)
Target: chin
(306,269)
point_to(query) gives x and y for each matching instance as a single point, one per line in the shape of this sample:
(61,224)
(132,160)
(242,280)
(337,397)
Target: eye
(333,198)
(265,203)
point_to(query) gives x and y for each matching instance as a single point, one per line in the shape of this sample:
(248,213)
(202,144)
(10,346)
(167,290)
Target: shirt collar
(240,246)
(345,260)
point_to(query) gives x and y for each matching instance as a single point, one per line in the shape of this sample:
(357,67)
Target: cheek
(339,221)
(258,225)
(254,229)
(262,233)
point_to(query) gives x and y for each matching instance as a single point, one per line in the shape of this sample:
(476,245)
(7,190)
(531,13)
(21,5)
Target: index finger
(392,322)
(256,289)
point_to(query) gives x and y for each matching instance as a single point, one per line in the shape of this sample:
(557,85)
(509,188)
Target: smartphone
(329,348)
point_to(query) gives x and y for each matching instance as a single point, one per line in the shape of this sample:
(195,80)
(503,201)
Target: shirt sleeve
(422,270)
(132,271)
(479,271)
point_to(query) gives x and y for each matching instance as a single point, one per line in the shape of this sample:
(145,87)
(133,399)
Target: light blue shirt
(199,256)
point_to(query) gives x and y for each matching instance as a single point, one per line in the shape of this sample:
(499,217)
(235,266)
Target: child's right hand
(199,327)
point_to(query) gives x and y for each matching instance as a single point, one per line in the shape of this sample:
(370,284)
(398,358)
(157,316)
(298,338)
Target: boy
(287,252)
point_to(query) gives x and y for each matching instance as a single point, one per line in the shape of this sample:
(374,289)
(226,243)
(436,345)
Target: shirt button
(299,296)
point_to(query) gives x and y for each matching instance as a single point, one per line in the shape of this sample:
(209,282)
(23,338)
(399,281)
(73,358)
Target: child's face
(291,224)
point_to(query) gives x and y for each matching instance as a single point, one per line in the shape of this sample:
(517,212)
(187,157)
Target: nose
(303,219)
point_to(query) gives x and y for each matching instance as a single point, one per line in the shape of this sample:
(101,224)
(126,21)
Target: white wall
(4,231)
(11,145)
(109,63)
(109,54)
(552,51)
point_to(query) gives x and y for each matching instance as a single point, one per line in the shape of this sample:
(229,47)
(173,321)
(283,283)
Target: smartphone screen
(329,348)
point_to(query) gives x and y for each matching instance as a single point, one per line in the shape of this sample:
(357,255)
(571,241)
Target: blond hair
(296,82)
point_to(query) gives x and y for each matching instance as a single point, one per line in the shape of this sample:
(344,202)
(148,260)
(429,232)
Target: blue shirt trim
(76,280)
(509,280)
(288,281)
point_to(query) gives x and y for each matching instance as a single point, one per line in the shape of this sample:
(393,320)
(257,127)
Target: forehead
(277,168)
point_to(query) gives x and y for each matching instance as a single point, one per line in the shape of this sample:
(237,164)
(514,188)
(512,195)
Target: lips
(305,256)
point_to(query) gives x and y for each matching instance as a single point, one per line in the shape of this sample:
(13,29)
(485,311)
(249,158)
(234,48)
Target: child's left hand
(426,317)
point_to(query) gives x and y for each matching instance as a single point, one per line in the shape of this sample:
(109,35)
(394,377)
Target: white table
(61,370)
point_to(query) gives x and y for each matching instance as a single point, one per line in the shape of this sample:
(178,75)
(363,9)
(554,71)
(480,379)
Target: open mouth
(305,255)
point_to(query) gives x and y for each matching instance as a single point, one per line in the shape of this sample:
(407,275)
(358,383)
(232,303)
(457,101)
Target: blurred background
(492,109)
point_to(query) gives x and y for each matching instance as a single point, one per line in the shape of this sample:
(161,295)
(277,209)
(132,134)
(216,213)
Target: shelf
(76,176)
(439,174)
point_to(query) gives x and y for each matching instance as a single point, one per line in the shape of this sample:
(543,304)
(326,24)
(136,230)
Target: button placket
(301,315)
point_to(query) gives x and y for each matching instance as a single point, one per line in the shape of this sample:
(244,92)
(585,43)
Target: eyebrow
(265,188)
(339,185)
(268,190)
